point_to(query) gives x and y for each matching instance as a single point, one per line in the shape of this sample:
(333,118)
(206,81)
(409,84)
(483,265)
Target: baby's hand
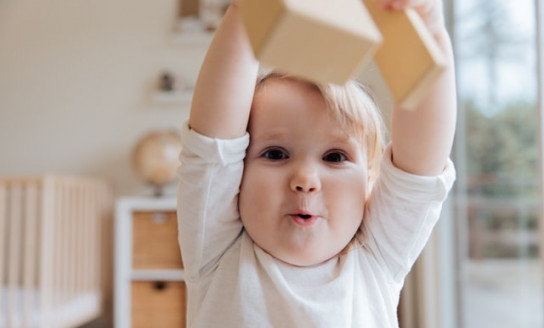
(431,11)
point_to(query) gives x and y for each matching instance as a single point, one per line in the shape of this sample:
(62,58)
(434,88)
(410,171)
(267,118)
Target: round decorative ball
(155,157)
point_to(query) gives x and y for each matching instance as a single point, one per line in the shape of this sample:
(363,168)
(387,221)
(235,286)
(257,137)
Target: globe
(155,158)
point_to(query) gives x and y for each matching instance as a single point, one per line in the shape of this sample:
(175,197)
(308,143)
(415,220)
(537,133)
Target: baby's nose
(305,189)
(305,180)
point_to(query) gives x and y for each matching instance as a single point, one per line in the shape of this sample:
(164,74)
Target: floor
(504,294)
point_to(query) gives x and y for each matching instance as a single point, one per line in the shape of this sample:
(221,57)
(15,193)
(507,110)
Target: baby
(292,211)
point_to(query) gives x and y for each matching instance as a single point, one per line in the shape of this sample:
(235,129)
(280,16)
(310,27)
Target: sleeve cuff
(418,186)
(213,150)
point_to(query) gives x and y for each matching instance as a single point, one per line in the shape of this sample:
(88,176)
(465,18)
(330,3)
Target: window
(498,195)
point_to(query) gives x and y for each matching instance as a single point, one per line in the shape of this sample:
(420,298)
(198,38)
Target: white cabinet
(149,285)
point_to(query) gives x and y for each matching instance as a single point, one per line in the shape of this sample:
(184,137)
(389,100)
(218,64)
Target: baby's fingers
(431,11)
(393,4)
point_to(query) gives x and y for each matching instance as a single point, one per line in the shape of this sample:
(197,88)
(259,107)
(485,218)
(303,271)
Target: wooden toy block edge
(405,33)
(436,69)
(269,13)
(266,20)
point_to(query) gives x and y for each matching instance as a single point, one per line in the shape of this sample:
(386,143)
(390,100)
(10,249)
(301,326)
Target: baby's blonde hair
(353,107)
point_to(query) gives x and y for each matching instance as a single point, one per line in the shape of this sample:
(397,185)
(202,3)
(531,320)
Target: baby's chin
(303,263)
(301,259)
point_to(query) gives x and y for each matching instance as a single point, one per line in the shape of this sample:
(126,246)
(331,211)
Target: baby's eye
(335,157)
(275,154)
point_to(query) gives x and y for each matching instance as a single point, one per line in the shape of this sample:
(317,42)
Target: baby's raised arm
(226,82)
(422,138)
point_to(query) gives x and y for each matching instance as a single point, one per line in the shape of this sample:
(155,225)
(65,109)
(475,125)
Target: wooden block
(409,59)
(320,40)
(155,241)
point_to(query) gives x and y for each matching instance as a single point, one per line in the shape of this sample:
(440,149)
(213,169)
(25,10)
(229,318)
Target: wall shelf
(174,97)
(192,38)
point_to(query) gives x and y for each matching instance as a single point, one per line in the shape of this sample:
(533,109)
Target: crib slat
(60,248)
(87,222)
(99,233)
(56,257)
(93,233)
(56,249)
(74,245)
(79,233)
(106,230)
(70,239)
(85,208)
(30,250)
(63,246)
(3,236)
(14,252)
(69,220)
(106,240)
(72,221)
(46,279)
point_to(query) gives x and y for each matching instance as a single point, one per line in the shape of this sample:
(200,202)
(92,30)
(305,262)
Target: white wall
(76,82)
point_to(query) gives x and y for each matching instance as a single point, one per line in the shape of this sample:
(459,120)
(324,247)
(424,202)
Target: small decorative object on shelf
(172,89)
(155,158)
(167,82)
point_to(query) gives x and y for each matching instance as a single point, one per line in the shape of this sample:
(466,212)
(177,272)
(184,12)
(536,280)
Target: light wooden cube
(320,40)
(409,59)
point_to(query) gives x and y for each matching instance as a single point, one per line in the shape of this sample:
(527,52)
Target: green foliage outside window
(502,181)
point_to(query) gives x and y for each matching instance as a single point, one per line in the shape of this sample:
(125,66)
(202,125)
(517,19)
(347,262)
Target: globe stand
(158,191)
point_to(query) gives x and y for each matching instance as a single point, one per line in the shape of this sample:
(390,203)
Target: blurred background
(79,83)
(497,203)
(82,81)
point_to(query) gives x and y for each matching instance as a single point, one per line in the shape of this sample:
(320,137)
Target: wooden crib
(53,262)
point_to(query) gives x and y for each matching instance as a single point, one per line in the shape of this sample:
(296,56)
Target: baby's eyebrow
(342,137)
(274,135)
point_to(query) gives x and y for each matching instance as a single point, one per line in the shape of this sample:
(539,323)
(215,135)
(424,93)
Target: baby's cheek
(254,186)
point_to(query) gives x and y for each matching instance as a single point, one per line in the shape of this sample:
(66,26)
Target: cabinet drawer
(155,241)
(158,304)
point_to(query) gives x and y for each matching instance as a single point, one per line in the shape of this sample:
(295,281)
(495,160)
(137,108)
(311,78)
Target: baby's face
(303,191)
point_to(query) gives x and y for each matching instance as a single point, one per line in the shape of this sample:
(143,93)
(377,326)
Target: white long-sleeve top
(232,282)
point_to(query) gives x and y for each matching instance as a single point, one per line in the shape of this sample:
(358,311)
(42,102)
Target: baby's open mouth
(304,219)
